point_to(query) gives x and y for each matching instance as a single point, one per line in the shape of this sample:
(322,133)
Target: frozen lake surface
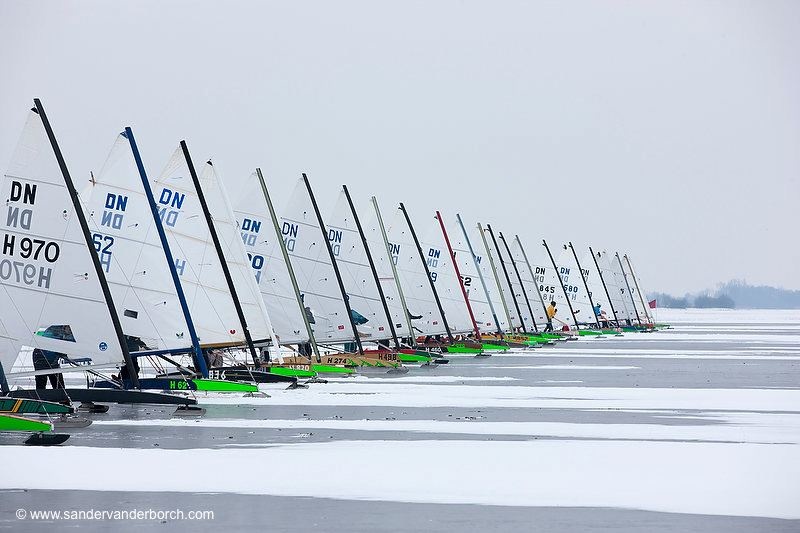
(691,429)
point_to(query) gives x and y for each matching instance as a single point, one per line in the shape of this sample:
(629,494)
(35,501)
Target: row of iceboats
(155,287)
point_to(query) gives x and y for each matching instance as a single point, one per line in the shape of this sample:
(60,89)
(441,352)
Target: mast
(561,282)
(530,270)
(586,285)
(508,280)
(636,283)
(605,288)
(76,204)
(333,262)
(412,337)
(372,266)
(480,274)
(458,275)
(199,360)
(274,344)
(427,272)
(496,278)
(311,339)
(519,278)
(3,381)
(625,277)
(215,239)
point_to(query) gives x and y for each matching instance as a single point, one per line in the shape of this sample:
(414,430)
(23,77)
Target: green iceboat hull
(418,357)
(461,348)
(21,406)
(551,336)
(493,347)
(292,372)
(18,423)
(589,333)
(218,385)
(330,369)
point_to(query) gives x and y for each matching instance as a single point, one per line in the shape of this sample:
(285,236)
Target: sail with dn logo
(233,249)
(443,274)
(352,257)
(48,267)
(196,260)
(271,272)
(306,243)
(425,315)
(572,280)
(130,250)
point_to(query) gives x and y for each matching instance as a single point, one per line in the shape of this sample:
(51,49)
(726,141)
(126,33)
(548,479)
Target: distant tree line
(735,293)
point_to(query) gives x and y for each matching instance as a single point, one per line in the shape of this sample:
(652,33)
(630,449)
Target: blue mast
(199,360)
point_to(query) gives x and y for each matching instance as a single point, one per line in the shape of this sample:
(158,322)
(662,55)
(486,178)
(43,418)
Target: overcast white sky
(670,130)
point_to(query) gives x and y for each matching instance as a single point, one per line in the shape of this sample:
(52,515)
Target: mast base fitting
(46,439)
(189,410)
(91,407)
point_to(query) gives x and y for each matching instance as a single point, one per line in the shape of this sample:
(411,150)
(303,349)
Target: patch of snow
(700,478)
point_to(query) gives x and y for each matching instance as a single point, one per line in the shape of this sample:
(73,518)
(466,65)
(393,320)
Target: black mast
(519,278)
(427,272)
(76,204)
(561,282)
(372,266)
(508,280)
(333,262)
(226,271)
(605,288)
(586,285)
(533,275)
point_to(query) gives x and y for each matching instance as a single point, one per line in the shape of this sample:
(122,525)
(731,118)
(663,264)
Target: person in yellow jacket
(551,314)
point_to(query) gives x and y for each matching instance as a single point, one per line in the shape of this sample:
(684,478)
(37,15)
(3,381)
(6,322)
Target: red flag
(341,326)
(652,304)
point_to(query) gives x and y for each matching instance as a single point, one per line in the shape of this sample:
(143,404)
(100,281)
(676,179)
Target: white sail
(381,258)
(313,269)
(550,286)
(519,292)
(528,273)
(616,286)
(48,281)
(597,291)
(413,278)
(271,272)
(492,280)
(481,308)
(359,282)
(447,283)
(196,260)
(638,299)
(648,313)
(127,242)
(239,265)
(502,280)
(571,278)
